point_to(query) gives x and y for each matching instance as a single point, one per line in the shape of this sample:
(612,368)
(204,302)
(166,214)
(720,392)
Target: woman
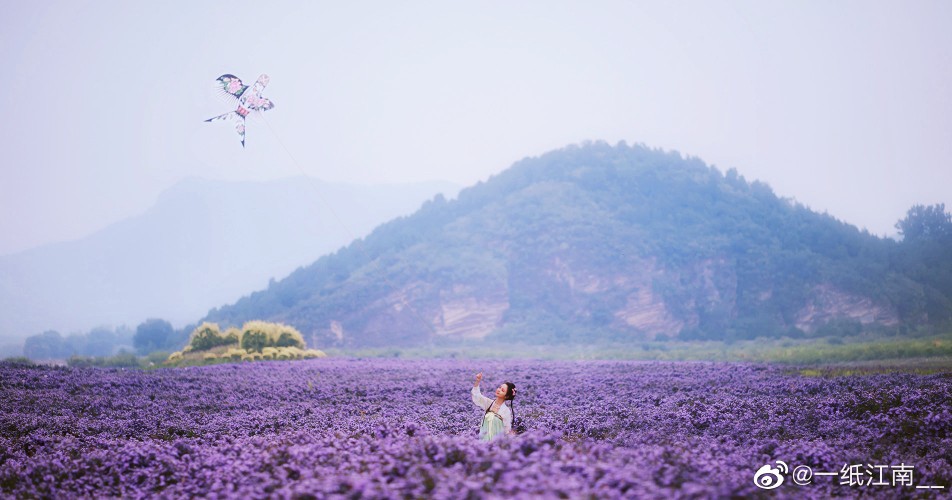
(497,421)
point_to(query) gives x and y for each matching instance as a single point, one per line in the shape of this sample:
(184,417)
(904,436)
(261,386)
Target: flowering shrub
(314,353)
(207,336)
(259,335)
(234,354)
(233,335)
(254,336)
(407,428)
(257,340)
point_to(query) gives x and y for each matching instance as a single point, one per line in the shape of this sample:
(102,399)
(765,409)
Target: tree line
(152,335)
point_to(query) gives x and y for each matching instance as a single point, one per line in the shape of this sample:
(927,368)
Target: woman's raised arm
(478,398)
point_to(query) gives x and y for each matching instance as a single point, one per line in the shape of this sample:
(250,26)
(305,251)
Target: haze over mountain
(202,244)
(597,242)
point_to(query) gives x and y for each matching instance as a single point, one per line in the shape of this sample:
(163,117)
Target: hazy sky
(844,106)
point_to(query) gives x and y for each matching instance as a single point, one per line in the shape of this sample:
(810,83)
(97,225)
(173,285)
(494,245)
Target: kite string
(330,207)
(359,242)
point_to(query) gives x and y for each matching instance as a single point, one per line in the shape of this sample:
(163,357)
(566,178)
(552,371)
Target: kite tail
(239,120)
(226,116)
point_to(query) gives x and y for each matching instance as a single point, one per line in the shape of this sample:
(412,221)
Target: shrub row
(253,336)
(268,353)
(255,340)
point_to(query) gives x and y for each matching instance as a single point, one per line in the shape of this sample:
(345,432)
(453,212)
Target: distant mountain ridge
(203,243)
(601,242)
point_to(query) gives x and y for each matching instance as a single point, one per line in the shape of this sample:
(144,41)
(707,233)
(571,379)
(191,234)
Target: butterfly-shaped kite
(248,100)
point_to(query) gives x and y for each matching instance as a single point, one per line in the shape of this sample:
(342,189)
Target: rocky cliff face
(467,312)
(646,313)
(630,294)
(627,292)
(826,303)
(421,311)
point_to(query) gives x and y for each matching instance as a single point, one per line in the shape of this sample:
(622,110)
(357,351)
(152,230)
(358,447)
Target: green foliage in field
(121,360)
(256,340)
(260,335)
(208,336)
(909,351)
(18,361)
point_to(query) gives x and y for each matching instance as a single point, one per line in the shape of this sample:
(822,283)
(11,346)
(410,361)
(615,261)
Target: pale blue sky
(843,105)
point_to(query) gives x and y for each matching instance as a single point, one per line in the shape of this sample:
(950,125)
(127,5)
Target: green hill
(601,242)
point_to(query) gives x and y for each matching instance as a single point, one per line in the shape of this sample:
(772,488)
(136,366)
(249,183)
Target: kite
(248,100)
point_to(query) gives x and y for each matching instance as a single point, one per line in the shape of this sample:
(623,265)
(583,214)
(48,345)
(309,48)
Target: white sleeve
(506,415)
(480,400)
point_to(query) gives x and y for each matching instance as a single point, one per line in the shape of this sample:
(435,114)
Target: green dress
(495,424)
(492,427)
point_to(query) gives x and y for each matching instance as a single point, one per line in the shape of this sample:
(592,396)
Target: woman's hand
(479,378)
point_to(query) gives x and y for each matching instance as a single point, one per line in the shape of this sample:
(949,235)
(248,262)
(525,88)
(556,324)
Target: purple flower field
(408,429)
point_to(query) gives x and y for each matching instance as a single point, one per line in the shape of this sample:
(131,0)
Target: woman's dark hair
(517,425)
(510,391)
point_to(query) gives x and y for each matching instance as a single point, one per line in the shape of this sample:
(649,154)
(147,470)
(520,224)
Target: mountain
(600,242)
(202,244)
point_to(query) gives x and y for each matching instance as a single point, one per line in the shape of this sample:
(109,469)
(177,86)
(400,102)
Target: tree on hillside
(926,223)
(152,335)
(926,256)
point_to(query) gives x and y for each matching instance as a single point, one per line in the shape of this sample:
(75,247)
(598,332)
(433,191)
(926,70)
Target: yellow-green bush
(233,335)
(234,353)
(291,352)
(288,336)
(208,336)
(257,335)
(254,335)
(254,341)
